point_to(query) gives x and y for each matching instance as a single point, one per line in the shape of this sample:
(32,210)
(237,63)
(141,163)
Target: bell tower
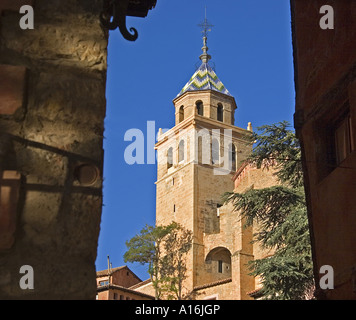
(197,160)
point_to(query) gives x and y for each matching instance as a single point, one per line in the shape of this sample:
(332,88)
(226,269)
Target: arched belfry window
(181,113)
(232,157)
(203,154)
(200,108)
(181,151)
(220,112)
(170,158)
(215,151)
(200,150)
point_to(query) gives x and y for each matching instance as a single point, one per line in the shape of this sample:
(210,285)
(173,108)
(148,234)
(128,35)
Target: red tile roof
(212,284)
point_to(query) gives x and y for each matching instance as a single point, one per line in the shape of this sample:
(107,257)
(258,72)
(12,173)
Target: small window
(232,157)
(220,112)
(122,297)
(181,151)
(103,283)
(181,113)
(200,108)
(344,143)
(220,266)
(115,296)
(335,140)
(169,158)
(218,206)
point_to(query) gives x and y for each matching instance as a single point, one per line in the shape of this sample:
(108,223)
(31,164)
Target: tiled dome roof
(204,78)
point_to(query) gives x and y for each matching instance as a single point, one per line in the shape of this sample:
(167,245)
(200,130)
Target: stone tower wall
(189,192)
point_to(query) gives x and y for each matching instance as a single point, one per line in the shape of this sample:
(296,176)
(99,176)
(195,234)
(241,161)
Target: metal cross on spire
(206,27)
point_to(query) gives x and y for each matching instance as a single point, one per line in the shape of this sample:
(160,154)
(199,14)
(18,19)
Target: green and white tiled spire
(205,77)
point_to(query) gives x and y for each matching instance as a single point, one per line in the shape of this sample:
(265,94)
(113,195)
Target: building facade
(198,161)
(325,119)
(119,284)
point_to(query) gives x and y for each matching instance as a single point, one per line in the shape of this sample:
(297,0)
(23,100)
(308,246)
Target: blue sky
(251,48)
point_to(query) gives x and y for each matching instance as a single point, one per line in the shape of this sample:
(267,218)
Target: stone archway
(218,263)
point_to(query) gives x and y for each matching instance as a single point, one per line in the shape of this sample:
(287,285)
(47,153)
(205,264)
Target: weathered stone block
(12,82)
(14,5)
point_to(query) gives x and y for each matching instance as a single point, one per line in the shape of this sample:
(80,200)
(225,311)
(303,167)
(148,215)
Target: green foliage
(278,146)
(174,270)
(280,212)
(141,247)
(164,249)
(270,208)
(145,248)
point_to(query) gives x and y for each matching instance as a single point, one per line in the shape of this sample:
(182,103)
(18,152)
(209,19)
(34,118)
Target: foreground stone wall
(52,109)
